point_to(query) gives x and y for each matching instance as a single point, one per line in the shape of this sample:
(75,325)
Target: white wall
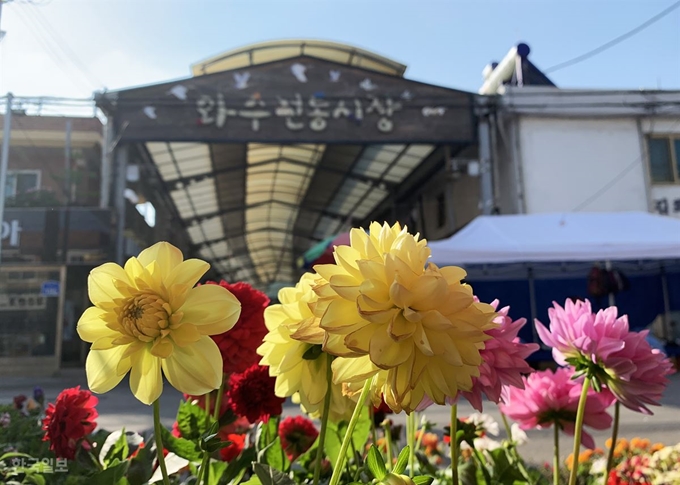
(568,161)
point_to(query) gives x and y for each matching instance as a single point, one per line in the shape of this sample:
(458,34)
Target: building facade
(58,224)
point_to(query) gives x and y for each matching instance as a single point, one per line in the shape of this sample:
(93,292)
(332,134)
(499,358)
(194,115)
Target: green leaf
(112,475)
(336,431)
(216,470)
(375,463)
(8,456)
(269,476)
(191,419)
(504,471)
(180,446)
(35,479)
(422,480)
(402,461)
(275,457)
(237,468)
(267,433)
(141,467)
(254,480)
(115,448)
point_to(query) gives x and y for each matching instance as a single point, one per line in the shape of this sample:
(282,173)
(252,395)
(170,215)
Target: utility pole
(4,158)
(67,190)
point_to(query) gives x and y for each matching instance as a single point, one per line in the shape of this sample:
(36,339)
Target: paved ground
(119,408)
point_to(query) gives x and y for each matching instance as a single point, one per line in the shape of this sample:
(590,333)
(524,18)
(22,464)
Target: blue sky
(129,42)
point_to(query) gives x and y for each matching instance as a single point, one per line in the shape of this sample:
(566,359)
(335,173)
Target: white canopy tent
(527,238)
(562,238)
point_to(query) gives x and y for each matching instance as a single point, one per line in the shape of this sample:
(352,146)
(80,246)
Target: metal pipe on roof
(504,70)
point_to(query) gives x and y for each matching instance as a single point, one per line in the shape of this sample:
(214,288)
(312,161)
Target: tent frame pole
(532,301)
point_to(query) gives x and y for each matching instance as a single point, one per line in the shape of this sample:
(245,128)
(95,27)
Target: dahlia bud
(394,479)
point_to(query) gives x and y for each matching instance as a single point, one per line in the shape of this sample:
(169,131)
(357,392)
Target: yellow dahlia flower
(418,323)
(292,348)
(149,319)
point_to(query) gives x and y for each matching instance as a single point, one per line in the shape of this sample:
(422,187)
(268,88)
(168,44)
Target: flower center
(147,316)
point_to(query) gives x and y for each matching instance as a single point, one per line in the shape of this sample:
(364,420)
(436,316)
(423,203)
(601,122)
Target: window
(664,159)
(21,182)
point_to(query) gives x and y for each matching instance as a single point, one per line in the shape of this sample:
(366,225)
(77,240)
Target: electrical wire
(49,48)
(614,180)
(614,41)
(63,45)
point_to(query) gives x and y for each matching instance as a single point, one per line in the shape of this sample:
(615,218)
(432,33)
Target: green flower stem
(207,411)
(202,471)
(387,424)
(615,437)
(513,456)
(580,414)
(218,402)
(482,465)
(411,431)
(556,454)
(159,440)
(340,463)
(374,435)
(454,444)
(419,441)
(508,429)
(324,421)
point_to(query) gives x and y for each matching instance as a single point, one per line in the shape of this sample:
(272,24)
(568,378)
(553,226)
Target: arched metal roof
(263,52)
(273,147)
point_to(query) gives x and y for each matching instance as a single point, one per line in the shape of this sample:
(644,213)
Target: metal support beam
(5,157)
(121,157)
(105,178)
(486,197)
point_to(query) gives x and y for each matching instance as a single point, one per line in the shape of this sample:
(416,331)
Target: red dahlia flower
(239,344)
(251,394)
(237,443)
(297,435)
(69,420)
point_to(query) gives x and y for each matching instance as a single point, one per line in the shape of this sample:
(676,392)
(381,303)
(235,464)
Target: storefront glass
(29,311)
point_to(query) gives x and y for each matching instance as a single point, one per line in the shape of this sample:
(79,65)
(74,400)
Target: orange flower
(430,440)
(635,443)
(656,447)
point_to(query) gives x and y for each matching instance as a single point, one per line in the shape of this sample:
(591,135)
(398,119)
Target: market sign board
(291,101)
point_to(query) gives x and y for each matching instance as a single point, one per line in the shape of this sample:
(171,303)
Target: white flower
(484,423)
(482,444)
(519,437)
(599,466)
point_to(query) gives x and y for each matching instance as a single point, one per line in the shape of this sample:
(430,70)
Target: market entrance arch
(271,148)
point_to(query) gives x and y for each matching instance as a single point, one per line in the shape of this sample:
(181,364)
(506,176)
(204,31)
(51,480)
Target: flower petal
(187,273)
(165,254)
(106,368)
(146,381)
(100,283)
(195,369)
(212,308)
(91,325)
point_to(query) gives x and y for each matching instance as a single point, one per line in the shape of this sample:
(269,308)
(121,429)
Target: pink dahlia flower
(646,381)
(503,360)
(552,398)
(603,346)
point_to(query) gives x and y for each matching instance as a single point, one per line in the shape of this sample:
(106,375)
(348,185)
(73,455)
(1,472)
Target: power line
(614,41)
(617,177)
(48,46)
(63,45)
